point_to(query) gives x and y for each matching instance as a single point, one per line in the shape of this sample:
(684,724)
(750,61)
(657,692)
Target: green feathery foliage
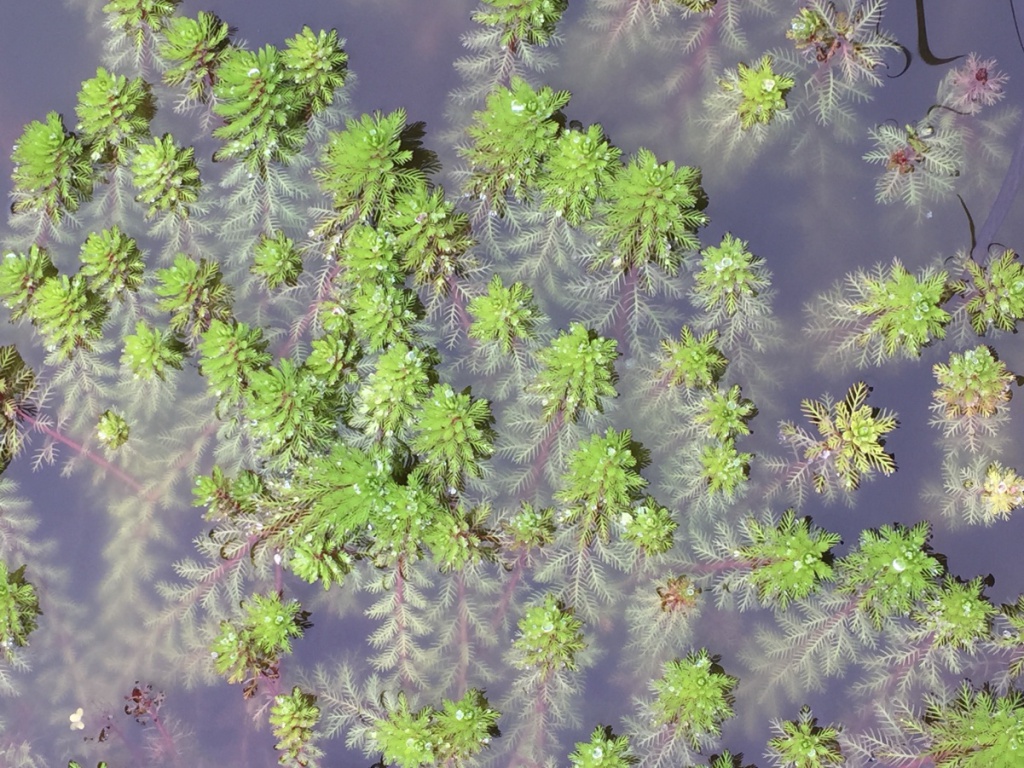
(973,390)
(52,174)
(452,433)
(957,614)
(724,415)
(193,50)
(19,607)
(510,140)
(974,728)
(549,637)
(150,352)
(113,116)
(577,370)
(602,482)
(649,213)
(692,362)
(260,110)
(995,295)
(889,571)
(138,20)
(276,261)
(905,312)
(166,177)
(68,315)
(337,423)
(649,527)
(391,395)
(432,237)
(365,167)
(293,718)
(729,275)
(250,648)
(802,743)
(112,264)
(265,97)
(317,65)
(724,468)
(112,430)
(789,559)
(453,735)
(578,169)
(695,695)
(1002,492)
(17,383)
(522,21)
(195,294)
(230,353)
(604,750)
(293,415)
(760,91)
(850,442)
(505,316)
(21,277)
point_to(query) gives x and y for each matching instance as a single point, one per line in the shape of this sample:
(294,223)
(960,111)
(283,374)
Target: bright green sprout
(604,750)
(761,89)
(958,614)
(504,315)
(149,353)
(724,468)
(549,637)
(725,415)
(250,649)
(802,743)
(166,177)
(695,695)
(112,430)
(293,718)
(789,559)
(52,174)
(649,213)
(692,362)
(577,371)
(112,264)
(602,482)
(19,607)
(729,276)
(890,571)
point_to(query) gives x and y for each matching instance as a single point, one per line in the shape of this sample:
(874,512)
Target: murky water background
(811,224)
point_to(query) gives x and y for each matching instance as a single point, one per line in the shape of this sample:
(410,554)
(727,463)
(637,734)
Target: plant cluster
(502,432)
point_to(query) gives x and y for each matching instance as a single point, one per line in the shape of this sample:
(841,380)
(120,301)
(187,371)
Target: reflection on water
(604,413)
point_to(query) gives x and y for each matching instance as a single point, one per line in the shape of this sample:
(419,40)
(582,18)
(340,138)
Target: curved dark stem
(907,58)
(1016,26)
(1004,198)
(970,222)
(922,40)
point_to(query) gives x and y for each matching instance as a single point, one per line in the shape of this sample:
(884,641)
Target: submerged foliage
(506,439)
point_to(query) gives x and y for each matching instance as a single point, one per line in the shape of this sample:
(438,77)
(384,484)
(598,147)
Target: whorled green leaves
(695,695)
(510,139)
(649,213)
(577,371)
(52,172)
(166,177)
(113,115)
(19,609)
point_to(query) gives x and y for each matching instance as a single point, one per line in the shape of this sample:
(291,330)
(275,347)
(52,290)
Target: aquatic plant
(507,436)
